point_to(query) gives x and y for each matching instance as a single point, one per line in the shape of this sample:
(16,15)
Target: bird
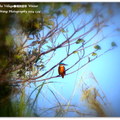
(61,69)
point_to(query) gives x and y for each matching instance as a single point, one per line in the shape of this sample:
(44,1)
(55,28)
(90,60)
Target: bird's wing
(59,70)
(64,71)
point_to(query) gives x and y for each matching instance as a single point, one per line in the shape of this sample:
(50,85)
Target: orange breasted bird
(61,69)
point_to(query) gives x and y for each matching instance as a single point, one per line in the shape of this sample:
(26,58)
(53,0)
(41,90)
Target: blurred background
(36,37)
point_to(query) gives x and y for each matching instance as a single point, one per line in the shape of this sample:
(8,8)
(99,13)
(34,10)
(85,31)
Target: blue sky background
(105,69)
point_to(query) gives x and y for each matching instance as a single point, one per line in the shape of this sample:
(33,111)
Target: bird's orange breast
(61,69)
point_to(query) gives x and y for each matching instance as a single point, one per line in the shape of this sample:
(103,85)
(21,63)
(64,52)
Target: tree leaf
(97,24)
(48,27)
(94,54)
(64,12)
(75,52)
(113,44)
(64,31)
(50,22)
(36,25)
(18,57)
(79,41)
(9,40)
(88,8)
(97,47)
(76,7)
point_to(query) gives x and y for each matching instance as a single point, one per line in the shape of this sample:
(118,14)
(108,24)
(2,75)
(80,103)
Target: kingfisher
(61,69)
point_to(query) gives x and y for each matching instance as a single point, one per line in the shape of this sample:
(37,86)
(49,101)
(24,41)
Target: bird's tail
(62,76)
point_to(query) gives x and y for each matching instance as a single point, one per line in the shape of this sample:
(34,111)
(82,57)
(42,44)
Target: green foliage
(22,104)
(113,44)
(3,62)
(75,52)
(13,107)
(33,25)
(63,30)
(76,7)
(9,40)
(88,8)
(97,47)
(18,58)
(5,90)
(80,41)
(20,73)
(64,12)
(20,107)
(48,21)
(94,54)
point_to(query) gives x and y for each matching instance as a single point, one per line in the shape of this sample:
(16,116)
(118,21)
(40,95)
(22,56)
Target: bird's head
(63,64)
